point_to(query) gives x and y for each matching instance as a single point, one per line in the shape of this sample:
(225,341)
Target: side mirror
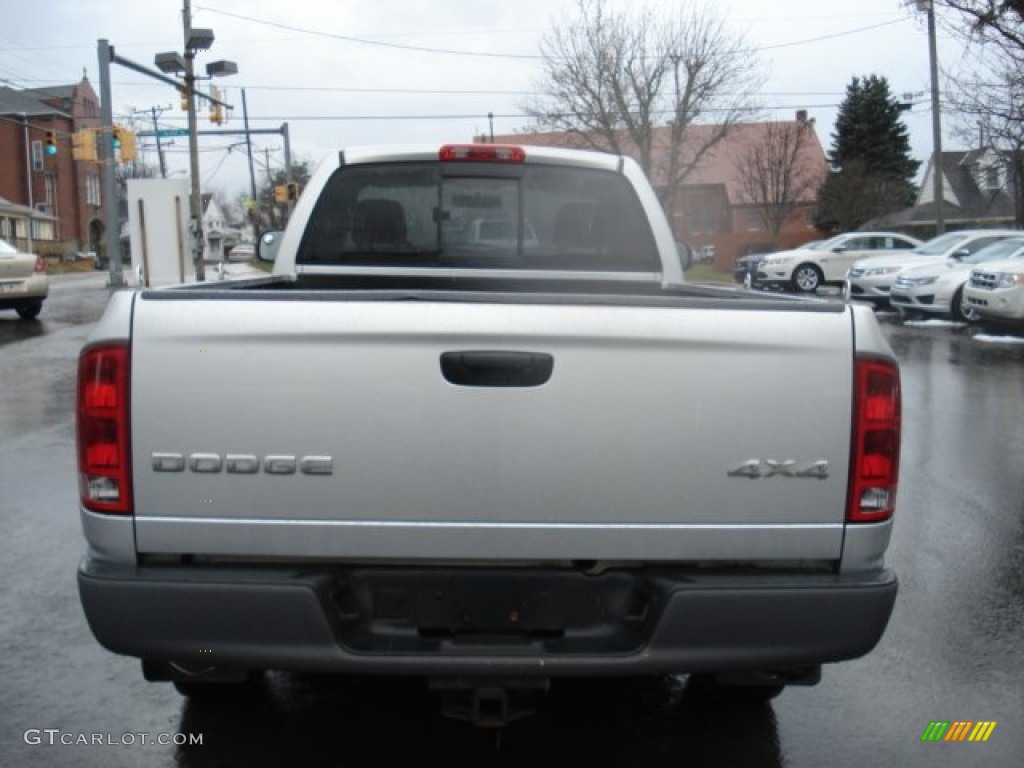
(961,254)
(839,249)
(268,244)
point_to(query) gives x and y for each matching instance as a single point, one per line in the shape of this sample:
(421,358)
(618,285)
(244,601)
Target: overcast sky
(346,72)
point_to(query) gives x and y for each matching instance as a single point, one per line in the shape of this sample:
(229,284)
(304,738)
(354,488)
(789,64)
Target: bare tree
(999,21)
(611,79)
(775,174)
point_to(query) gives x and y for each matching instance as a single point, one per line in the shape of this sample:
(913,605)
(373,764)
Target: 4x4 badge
(758,468)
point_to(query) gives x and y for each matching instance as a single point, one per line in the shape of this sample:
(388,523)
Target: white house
(218,234)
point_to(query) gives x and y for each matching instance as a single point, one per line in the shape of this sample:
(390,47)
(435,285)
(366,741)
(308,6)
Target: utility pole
(159,145)
(193,143)
(249,147)
(289,176)
(111,201)
(933,61)
(270,185)
(28,179)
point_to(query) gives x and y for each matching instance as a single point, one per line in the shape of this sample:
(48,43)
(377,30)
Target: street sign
(165,132)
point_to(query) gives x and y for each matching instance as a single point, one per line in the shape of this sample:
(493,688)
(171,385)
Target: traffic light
(292,191)
(216,110)
(123,142)
(83,145)
(184,99)
(127,143)
(51,143)
(281,193)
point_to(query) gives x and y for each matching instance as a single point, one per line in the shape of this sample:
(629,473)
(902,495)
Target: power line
(479,115)
(365,41)
(519,56)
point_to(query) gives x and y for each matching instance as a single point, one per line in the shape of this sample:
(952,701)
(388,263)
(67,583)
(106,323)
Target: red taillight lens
(104,453)
(482,153)
(40,265)
(876,442)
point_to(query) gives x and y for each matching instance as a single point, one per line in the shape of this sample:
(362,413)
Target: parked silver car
(871,279)
(938,289)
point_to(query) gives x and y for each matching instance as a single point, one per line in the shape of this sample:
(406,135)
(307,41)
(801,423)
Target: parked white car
(23,281)
(937,289)
(808,268)
(872,279)
(996,292)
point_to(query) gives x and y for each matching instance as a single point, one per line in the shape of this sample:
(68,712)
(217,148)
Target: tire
(806,278)
(30,311)
(962,312)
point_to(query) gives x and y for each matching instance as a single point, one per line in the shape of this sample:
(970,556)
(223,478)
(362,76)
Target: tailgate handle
(496,369)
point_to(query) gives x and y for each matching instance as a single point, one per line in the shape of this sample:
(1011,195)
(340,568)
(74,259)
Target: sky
(349,72)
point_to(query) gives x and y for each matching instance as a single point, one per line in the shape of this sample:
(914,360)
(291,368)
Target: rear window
(479,216)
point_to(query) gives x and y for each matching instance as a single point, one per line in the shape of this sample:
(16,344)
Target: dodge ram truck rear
(503,460)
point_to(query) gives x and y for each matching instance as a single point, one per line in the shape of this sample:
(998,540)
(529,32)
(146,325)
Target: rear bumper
(482,622)
(24,292)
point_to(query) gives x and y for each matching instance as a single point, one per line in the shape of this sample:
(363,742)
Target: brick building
(711,210)
(54,204)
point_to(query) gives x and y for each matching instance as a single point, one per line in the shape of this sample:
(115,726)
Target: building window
(51,190)
(992,177)
(37,155)
(92,190)
(711,217)
(693,217)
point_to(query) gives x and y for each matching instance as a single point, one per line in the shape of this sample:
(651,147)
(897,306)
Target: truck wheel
(30,311)
(807,278)
(962,311)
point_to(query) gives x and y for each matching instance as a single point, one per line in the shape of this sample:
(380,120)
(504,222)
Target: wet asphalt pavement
(954,649)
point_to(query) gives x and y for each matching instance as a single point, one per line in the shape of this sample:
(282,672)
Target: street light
(171,62)
(197,39)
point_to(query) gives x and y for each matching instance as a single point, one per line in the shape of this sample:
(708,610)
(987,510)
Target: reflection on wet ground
(389,722)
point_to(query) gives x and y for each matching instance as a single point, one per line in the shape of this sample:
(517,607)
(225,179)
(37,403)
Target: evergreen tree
(872,170)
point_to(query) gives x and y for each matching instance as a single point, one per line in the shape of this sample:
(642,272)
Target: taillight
(482,153)
(40,265)
(104,453)
(876,442)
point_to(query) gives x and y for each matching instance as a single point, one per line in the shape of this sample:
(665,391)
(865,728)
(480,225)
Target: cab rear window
(530,217)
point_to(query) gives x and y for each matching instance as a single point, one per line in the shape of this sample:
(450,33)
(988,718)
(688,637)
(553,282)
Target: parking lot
(954,650)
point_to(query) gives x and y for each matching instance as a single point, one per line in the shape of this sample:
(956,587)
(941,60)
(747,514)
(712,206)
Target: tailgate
(329,429)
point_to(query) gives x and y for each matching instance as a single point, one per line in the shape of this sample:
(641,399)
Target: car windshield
(1004,249)
(939,245)
(825,245)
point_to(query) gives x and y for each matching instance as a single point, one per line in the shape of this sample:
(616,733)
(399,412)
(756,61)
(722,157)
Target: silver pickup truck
(489,464)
